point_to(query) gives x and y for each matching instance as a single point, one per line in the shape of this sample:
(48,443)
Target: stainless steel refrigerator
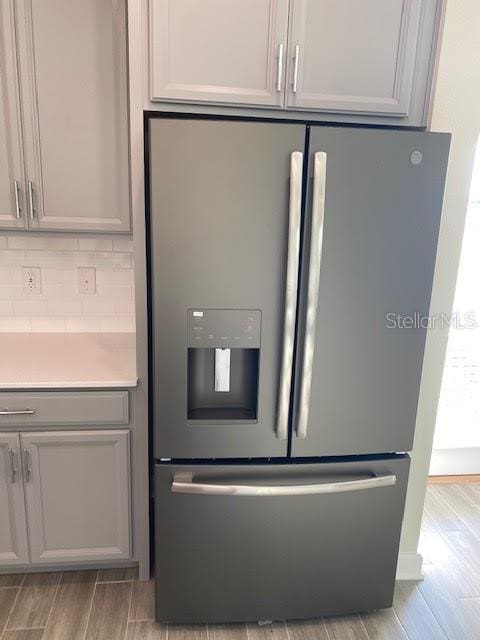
(283,261)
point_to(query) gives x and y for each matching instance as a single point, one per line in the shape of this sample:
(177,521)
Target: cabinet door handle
(18,210)
(13,466)
(27,464)
(30,200)
(280,67)
(16,412)
(295,68)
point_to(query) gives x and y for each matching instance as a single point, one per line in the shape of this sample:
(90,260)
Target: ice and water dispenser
(223,364)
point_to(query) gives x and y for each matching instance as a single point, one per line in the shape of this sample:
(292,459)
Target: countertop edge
(79,384)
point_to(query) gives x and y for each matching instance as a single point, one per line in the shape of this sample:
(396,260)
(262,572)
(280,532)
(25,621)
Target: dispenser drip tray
(222,384)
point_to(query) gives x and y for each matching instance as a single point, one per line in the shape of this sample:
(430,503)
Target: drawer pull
(17,412)
(183,484)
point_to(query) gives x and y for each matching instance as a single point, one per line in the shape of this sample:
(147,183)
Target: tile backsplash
(59,306)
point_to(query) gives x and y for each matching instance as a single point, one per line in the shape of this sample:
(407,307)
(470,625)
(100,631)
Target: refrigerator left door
(225,200)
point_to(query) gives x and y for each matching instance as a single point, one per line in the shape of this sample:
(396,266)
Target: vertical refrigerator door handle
(293,258)
(318,214)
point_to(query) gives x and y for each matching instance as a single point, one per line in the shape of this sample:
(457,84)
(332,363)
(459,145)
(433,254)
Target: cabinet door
(13,529)
(77,495)
(12,214)
(352,56)
(73,73)
(218,50)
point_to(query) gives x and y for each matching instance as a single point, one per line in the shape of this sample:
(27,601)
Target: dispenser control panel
(224,328)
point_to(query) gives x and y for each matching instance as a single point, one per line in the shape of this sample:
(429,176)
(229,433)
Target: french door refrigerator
(283,258)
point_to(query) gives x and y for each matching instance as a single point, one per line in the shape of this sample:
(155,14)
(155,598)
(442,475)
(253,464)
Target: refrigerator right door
(373,210)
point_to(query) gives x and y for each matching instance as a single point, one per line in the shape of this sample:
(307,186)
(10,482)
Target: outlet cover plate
(32,280)
(86,279)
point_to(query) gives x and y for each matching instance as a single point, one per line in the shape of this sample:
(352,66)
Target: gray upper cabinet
(13,528)
(353,56)
(73,80)
(369,61)
(11,161)
(223,51)
(70,88)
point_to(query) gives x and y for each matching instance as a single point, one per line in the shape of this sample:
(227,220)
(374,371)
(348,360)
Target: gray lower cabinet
(63,116)
(77,495)
(73,489)
(13,528)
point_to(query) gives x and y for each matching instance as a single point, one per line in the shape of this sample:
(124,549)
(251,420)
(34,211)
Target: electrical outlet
(86,278)
(32,280)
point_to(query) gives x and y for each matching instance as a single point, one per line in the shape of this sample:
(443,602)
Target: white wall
(59,306)
(456,110)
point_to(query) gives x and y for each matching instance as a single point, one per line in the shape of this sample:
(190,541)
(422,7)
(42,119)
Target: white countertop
(67,360)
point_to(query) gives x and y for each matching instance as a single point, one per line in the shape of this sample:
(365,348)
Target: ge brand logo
(416,157)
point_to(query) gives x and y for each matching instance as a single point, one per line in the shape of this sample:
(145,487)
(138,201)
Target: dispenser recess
(223,359)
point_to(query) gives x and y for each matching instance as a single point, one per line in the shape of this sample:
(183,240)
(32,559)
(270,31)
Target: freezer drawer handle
(293,257)
(183,484)
(318,214)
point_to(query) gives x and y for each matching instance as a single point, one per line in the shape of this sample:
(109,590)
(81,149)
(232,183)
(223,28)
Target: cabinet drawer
(64,408)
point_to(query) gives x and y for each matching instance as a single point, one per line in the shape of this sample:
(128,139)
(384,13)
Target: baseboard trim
(409,566)
(65,566)
(455,462)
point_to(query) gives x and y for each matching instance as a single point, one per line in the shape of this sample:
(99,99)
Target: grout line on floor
(91,606)
(25,629)
(400,622)
(326,629)
(128,610)
(11,609)
(432,612)
(451,508)
(363,625)
(115,581)
(54,599)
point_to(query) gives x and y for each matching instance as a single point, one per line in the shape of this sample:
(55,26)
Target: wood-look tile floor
(113,605)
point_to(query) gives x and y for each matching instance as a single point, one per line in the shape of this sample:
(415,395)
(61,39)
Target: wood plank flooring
(113,605)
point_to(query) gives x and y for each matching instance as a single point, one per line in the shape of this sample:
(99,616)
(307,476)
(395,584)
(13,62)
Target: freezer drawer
(269,542)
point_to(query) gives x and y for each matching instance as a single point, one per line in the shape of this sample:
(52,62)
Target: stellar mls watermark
(416,320)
